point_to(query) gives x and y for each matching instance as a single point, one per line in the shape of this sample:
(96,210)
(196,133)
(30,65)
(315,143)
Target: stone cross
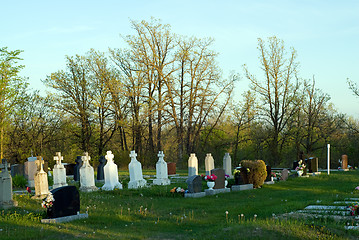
(58,158)
(109,156)
(86,159)
(133,156)
(160,156)
(4,165)
(39,162)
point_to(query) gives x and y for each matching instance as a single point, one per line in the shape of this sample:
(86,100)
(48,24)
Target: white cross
(5,165)
(58,158)
(133,155)
(109,156)
(86,159)
(160,155)
(39,162)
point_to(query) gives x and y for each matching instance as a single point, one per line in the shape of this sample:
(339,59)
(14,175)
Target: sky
(325,34)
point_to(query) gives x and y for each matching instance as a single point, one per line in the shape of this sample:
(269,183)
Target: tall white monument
(227,164)
(111,174)
(6,200)
(161,171)
(192,165)
(41,183)
(87,176)
(59,172)
(135,169)
(209,163)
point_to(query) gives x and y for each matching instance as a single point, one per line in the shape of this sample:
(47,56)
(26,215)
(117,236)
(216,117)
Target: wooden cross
(109,156)
(58,158)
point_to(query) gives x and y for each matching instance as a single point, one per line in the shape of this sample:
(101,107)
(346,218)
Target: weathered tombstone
(65,207)
(67,202)
(285,174)
(161,171)
(344,161)
(171,168)
(209,163)
(100,171)
(135,169)
(6,200)
(30,171)
(59,172)
(77,168)
(192,165)
(110,174)
(194,184)
(41,183)
(314,164)
(219,182)
(17,169)
(87,177)
(269,175)
(227,164)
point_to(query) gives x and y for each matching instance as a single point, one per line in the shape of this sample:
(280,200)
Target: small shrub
(19,181)
(257,172)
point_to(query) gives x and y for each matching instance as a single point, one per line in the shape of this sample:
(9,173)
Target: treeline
(166,92)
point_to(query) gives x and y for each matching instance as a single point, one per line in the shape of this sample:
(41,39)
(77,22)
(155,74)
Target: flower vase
(210,185)
(300,173)
(272,179)
(225,183)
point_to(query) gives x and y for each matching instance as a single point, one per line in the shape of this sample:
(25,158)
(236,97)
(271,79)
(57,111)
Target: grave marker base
(210,192)
(65,219)
(7,205)
(88,189)
(242,187)
(269,182)
(195,195)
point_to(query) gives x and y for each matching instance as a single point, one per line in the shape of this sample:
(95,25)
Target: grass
(155,213)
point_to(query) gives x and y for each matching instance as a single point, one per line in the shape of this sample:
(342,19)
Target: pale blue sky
(325,34)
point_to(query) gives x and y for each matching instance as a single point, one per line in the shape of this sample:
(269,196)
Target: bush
(257,172)
(19,181)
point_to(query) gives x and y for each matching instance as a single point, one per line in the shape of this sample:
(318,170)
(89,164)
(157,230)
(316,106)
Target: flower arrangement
(48,201)
(210,178)
(178,190)
(353,209)
(301,166)
(226,176)
(273,174)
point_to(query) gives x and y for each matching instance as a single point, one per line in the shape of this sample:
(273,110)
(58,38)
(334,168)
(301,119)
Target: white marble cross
(109,156)
(58,158)
(86,159)
(133,155)
(160,156)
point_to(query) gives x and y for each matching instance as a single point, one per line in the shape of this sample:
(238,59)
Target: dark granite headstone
(171,168)
(269,175)
(219,183)
(285,174)
(67,202)
(100,172)
(295,165)
(314,164)
(17,169)
(308,165)
(77,168)
(70,168)
(194,184)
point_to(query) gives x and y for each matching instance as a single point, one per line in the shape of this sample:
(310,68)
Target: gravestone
(67,202)
(30,171)
(161,171)
(171,168)
(194,184)
(219,182)
(70,168)
(238,178)
(192,165)
(100,171)
(285,174)
(6,200)
(314,164)
(344,162)
(59,172)
(295,164)
(40,179)
(17,169)
(227,164)
(87,177)
(135,169)
(110,174)
(308,165)
(269,175)
(77,168)
(209,163)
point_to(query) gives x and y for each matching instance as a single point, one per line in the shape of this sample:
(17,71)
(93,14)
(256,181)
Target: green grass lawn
(155,213)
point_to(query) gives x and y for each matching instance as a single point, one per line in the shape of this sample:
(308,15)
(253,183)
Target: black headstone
(269,175)
(77,168)
(17,169)
(295,165)
(70,168)
(219,183)
(194,184)
(100,172)
(67,202)
(238,177)
(314,164)
(308,165)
